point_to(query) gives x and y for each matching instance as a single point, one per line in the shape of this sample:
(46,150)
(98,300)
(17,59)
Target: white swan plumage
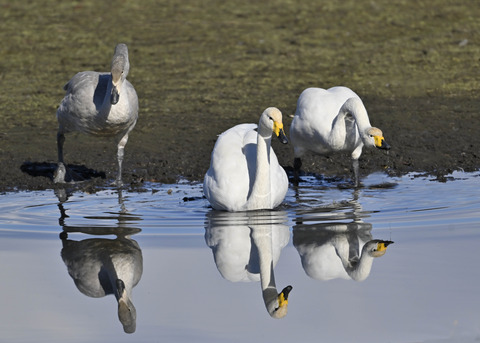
(244,172)
(99,104)
(332,120)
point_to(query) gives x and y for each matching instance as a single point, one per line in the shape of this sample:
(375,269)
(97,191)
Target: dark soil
(202,67)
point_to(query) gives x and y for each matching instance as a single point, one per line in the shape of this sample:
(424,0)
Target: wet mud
(202,67)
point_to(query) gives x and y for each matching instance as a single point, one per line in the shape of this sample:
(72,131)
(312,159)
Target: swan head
(127,314)
(375,138)
(271,122)
(278,308)
(376,248)
(119,69)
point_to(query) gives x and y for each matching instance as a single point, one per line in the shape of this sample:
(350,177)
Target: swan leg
(60,141)
(297,164)
(120,152)
(356,175)
(60,172)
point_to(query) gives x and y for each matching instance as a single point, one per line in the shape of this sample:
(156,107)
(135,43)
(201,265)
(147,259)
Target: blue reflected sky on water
(424,289)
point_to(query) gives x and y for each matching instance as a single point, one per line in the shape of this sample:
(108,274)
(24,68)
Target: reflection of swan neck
(276,303)
(360,270)
(127,314)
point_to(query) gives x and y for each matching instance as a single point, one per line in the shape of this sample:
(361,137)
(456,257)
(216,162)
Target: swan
(244,172)
(332,120)
(99,104)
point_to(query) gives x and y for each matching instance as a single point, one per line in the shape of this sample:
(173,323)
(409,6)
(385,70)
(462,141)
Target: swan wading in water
(244,172)
(99,104)
(332,120)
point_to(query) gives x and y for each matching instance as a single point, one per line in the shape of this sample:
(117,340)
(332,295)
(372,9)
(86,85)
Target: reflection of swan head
(277,307)
(376,247)
(127,314)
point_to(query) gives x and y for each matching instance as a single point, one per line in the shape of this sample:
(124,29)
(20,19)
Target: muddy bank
(202,68)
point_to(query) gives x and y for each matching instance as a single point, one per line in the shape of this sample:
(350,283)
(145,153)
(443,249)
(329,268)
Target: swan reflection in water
(103,266)
(246,247)
(333,249)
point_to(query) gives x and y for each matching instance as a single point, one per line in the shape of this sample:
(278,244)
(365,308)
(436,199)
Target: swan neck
(260,196)
(355,107)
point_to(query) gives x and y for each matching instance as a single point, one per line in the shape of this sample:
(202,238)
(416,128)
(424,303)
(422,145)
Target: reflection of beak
(381,143)
(114,96)
(283,296)
(382,246)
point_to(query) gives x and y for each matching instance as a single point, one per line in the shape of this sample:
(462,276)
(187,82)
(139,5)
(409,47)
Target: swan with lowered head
(332,120)
(244,172)
(99,104)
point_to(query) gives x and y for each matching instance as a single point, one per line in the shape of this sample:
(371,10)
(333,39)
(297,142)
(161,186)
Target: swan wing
(316,110)
(84,97)
(227,181)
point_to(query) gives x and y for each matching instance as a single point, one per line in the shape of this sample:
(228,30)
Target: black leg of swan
(60,141)
(297,164)
(356,175)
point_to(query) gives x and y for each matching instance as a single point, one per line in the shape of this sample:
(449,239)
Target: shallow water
(198,270)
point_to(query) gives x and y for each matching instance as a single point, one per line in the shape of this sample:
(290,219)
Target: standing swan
(99,104)
(332,120)
(244,171)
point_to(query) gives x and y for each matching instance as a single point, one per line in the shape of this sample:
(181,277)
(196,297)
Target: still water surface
(196,275)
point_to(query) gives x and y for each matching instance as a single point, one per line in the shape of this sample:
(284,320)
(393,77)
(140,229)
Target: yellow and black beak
(278,129)
(382,245)
(283,296)
(381,248)
(381,143)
